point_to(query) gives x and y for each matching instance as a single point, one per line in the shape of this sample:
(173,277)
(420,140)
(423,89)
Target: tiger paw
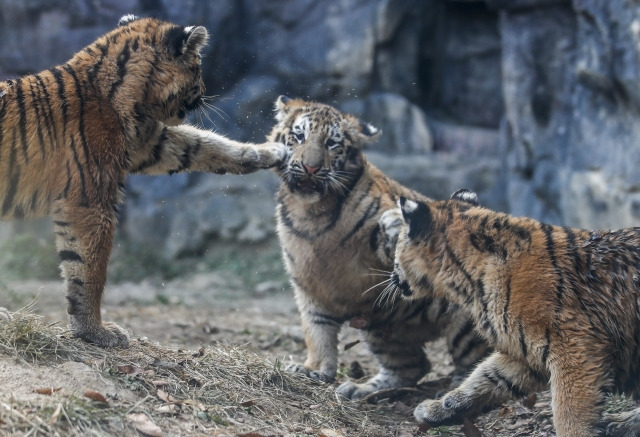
(353,391)
(446,411)
(625,424)
(270,154)
(107,335)
(313,374)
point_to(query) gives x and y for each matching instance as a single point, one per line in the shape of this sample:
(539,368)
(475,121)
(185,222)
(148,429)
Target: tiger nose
(310,169)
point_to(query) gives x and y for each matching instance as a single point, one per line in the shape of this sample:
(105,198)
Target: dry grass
(220,390)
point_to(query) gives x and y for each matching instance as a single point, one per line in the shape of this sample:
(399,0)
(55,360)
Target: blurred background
(534,104)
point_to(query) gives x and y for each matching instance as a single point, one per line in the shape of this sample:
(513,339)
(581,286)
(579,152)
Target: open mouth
(306,186)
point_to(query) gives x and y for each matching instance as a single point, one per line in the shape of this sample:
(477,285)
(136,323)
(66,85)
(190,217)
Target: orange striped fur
(70,135)
(560,306)
(338,225)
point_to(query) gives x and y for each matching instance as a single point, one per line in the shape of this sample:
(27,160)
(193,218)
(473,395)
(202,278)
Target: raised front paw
(271,154)
(106,335)
(313,374)
(446,411)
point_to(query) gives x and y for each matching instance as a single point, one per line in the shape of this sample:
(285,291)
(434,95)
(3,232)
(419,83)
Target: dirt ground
(211,308)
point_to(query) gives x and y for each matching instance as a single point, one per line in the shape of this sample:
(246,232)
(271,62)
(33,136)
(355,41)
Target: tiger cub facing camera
(70,135)
(560,306)
(337,223)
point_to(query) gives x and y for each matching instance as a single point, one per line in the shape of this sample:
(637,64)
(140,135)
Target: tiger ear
(126,19)
(367,132)
(281,107)
(189,39)
(418,216)
(467,196)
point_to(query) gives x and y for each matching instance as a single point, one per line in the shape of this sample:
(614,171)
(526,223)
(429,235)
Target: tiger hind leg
(83,241)
(495,380)
(401,358)
(626,424)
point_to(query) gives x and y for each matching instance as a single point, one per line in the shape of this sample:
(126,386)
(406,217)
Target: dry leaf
(167,409)
(95,396)
(47,391)
(530,400)
(325,432)
(143,424)
(200,353)
(470,429)
(160,382)
(56,413)
(249,403)
(129,369)
(163,395)
(424,427)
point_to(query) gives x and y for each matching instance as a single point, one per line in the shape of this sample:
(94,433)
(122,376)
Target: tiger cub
(69,136)
(560,306)
(337,224)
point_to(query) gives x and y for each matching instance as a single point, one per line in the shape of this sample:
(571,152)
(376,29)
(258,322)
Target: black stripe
(474,342)
(57,74)
(371,211)
(156,153)
(81,102)
(513,388)
(123,58)
(326,318)
(505,310)
(50,123)
(185,161)
(373,238)
(523,343)
(548,231)
(22,120)
(84,200)
(463,332)
(69,255)
(7,204)
(40,119)
(545,349)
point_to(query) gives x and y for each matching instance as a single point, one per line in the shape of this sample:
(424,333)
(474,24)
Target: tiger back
(337,224)
(70,135)
(560,306)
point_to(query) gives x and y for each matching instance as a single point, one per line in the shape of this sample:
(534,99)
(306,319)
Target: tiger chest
(331,271)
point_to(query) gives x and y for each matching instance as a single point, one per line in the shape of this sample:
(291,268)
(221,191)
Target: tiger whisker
(376,285)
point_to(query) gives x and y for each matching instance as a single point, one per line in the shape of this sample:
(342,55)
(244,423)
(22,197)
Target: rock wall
(532,103)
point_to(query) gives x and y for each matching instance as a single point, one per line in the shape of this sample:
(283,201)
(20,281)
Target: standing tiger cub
(560,306)
(337,224)
(70,135)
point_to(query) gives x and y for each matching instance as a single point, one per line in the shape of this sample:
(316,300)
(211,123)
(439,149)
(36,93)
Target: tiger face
(422,244)
(324,148)
(163,63)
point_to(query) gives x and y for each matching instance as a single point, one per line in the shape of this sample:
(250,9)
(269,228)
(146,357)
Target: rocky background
(532,103)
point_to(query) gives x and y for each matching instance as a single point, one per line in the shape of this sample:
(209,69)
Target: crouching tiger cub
(337,224)
(560,306)
(70,135)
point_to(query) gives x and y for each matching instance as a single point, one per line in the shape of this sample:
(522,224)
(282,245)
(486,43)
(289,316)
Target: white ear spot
(126,19)
(466,195)
(408,207)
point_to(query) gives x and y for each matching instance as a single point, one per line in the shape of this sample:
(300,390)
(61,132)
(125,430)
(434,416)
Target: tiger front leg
(321,338)
(83,241)
(173,149)
(495,380)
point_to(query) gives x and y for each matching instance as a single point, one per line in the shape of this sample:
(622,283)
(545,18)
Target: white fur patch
(126,19)
(409,206)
